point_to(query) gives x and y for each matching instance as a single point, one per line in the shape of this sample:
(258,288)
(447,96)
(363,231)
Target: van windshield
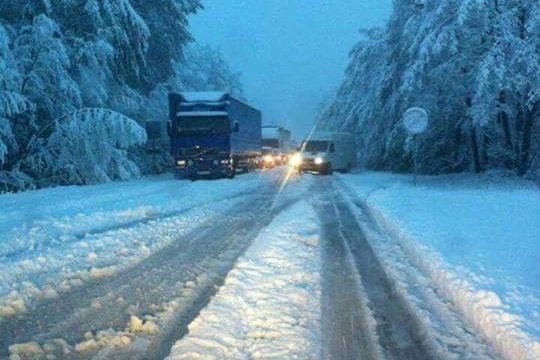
(315,146)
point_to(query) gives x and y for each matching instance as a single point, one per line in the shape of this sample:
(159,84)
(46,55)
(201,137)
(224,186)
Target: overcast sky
(291,53)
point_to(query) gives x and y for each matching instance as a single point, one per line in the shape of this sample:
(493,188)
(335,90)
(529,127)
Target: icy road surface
(255,268)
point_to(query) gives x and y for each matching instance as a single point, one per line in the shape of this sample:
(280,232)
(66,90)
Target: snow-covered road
(243,269)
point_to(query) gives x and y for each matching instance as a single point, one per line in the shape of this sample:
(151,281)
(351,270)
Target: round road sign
(416,120)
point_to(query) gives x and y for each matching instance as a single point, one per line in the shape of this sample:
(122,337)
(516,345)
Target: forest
(472,64)
(80,80)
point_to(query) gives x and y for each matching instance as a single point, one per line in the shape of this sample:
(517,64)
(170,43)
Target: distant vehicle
(279,139)
(270,158)
(326,152)
(213,135)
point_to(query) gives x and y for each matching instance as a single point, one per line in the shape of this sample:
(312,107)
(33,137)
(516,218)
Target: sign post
(416,121)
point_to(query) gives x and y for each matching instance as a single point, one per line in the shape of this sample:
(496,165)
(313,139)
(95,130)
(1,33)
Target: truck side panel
(248,140)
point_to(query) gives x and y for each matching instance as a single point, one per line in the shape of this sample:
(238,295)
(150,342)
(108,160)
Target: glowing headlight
(319,161)
(296,160)
(225,162)
(181,163)
(268,158)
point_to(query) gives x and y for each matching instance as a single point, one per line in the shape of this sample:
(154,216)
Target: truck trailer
(213,135)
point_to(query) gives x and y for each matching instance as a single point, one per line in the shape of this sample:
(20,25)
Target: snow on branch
(90,146)
(12,103)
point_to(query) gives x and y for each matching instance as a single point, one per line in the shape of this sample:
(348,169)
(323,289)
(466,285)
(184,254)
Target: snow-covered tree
(473,64)
(12,103)
(169,33)
(356,103)
(58,57)
(202,69)
(89,146)
(43,62)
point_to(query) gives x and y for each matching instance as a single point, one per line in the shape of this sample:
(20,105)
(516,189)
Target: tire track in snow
(348,327)
(398,331)
(186,273)
(454,336)
(55,241)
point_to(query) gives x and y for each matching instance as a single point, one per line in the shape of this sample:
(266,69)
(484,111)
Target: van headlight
(181,163)
(319,161)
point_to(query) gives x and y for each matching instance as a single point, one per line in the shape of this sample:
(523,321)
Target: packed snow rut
(375,322)
(296,271)
(139,313)
(433,319)
(269,307)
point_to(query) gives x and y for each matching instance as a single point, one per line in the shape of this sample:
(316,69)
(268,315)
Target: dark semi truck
(213,135)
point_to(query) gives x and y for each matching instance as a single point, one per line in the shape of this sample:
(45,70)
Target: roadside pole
(415,121)
(414,156)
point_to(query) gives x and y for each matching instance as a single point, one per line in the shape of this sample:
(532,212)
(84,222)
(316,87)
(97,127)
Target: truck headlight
(296,160)
(181,163)
(319,161)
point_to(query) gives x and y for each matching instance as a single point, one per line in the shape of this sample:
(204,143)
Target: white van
(326,152)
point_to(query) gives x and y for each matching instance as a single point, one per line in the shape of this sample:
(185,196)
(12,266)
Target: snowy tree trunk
(529,117)
(475,151)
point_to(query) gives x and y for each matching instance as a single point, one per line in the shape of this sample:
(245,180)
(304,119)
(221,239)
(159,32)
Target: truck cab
(213,135)
(326,152)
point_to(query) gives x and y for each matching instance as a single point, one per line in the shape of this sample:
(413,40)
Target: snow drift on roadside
(269,306)
(477,240)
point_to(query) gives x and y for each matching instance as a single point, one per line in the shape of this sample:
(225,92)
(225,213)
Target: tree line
(79,80)
(472,64)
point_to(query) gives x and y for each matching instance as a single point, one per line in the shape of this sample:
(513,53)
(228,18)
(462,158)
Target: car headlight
(319,161)
(296,160)
(181,163)
(268,158)
(225,162)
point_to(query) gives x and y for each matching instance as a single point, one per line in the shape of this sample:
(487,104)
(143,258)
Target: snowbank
(269,306)
(52,240)
(477,240)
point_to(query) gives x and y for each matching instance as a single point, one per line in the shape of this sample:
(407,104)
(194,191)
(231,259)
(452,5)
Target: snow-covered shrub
(89,146)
